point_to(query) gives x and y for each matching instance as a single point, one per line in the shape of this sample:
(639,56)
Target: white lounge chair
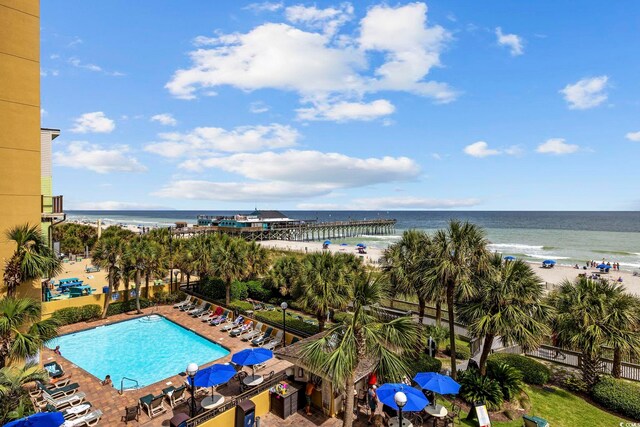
(274,342)
(232,325)
(257,331)
(63,402)
(197,309)
(90,419)
(242,329)
(182,303)
(153,405)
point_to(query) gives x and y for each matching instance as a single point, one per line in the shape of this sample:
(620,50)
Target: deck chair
(233,325)
(181,303)
(190,305)
(294,340)
(63,402)
(56,393)
(274,342)
(131,413)
(90,419)
(153,405)
(71,413)
(217,313)
(261,339)
(54,369)
(199,311)
(175,395)
(205,313)
(217,321)
(248,325)
(257,331)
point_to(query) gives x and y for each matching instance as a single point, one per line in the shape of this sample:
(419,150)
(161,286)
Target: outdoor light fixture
(284,323)
(401,399)
(192,370)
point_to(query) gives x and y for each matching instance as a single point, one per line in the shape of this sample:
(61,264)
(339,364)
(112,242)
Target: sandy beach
(77,269)
(551,276)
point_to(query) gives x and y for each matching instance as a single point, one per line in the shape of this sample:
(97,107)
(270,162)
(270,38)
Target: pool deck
(109,400)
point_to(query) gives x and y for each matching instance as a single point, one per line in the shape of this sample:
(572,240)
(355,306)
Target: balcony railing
(51,205)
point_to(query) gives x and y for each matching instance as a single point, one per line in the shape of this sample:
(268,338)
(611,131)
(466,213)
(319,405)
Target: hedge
(462,351)
(425,363)
(533,372)
(618,395)
(276,318)
(69,315)
(124,306)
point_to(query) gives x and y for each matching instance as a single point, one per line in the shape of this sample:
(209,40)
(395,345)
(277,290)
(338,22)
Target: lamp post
(401,399)
(284,323)
(192,370)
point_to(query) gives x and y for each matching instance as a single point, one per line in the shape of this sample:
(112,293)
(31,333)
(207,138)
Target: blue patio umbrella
(549,261)
(343,244)
(251,356)
(327,242)
(213,375)
(361,245)
(41,419)
(437,383)
(416,401)
(601,266)
(509,258)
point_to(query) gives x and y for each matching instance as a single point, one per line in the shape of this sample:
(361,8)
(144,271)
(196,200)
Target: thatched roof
(292,353)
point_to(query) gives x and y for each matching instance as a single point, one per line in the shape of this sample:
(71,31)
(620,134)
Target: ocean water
(568,237)
(147,349)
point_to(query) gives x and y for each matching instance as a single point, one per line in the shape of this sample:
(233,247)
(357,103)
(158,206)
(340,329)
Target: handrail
(130,379)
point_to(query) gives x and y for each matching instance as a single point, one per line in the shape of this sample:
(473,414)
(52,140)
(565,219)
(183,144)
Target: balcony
(51,208)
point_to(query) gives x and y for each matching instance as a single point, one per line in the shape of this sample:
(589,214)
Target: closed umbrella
(416,401)
(41,419)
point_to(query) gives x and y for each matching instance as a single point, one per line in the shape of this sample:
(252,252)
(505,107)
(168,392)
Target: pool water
(146,349)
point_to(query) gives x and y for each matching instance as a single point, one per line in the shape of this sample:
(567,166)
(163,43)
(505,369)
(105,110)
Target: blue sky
(333,105)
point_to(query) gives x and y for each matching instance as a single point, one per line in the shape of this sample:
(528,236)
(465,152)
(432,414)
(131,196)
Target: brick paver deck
(112,403)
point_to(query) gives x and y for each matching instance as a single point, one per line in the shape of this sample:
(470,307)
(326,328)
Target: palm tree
(284,275)
(13,395)
(228,262)
(405,263)
(257,258)
(135,253)
(185,259)
(509,304)
(363,338)
(108,254)
(22,333)
(591,314)
(31,259)
(153,262)
(325,283)
(460,253)
(625,315)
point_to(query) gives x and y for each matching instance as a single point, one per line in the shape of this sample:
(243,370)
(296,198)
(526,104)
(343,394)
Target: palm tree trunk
(188,280)
(146,283)
(228,292)
(421,307)
(107,300)
(321,319)
(452,329)
(590,365)
(348,404)
(617,362)
(486,349)
(137,282)
(438,313)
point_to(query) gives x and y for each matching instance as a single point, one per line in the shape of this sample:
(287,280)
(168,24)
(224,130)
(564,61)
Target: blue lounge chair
(231,325)
(219,320)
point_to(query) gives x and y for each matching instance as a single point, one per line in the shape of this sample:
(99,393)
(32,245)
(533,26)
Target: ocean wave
(515,245)
(547,256)
(610,252)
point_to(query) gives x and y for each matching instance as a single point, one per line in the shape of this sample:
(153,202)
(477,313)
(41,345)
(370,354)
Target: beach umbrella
(604,266)
(549,261)
(361,245)
(251,356)
(343,244)
(213,375)
(509,258)
(416,401)
(41,419)
(327,242)
(437,383)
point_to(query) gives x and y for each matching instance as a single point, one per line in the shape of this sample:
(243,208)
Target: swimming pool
(146,349)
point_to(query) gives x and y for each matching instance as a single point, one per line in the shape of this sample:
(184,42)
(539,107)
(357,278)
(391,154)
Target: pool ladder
(137,385)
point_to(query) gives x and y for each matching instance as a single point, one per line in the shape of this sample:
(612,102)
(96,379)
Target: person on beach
(308,391)
(107,380)
(372,401)
(57,350)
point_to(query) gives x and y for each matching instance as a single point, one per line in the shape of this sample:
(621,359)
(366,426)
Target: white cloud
(82,155)
(480,149)
(586,93)
(240,191)
(512,41)
(308,167)
(556,146)
(265,6)
(633,136)
(207,141)
(93,67)
(328,20)
(396,49)
(258,107)
(111,205)
(346,111)
(43,112)
(318,206)
(409,202)
(96,122)
(165,119)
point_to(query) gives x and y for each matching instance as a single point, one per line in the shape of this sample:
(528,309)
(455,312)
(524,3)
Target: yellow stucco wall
(228,418)
(19,122)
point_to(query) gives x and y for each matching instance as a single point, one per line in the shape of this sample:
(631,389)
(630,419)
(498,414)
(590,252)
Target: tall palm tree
(405,263)
(509,304)
(460,253)
(32,258)
(22,333)
(153,262)
(325,283)
(285,273)
(625,316)
(228,262)
(185,259)
(14,401)
(363,338)
(108,254)
(135,252)
(591,314)
(257,258)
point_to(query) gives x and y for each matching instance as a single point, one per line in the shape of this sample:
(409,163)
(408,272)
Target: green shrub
(476,388)
(125,306)
(341,316)
(276,317)
(618,395)
(509,378)
(573,382)
(243,306)
(462,351)
(164,297)
(533,372)
(257,291)
(215,289)
(69,315)
(239,291)
(424,363)
(440,334)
